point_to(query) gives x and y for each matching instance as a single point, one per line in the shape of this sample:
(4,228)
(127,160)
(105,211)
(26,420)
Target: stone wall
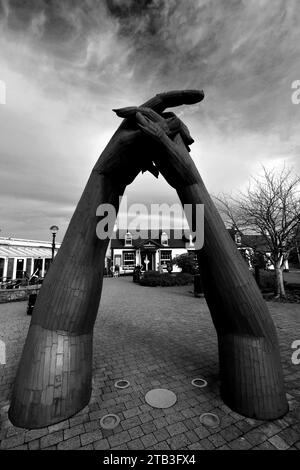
(13,295)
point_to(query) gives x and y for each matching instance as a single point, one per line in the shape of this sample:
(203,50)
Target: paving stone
(23,447)
(297,445)
(269,429)
(78,420)
(12,442)
(34,445)
(136,444)
(255,437)
(192,437)
(35,434)
(278,442)
(240,444)
(74,431)
(148,427)
(217,440)
(131,422)
(201,432)
(58,426)
(51,439)
(148,440)
(120,447)
(136,432)
(231,433)
(102,444)
(119,438)
(178,442)
(89,437)
(88,447)
(289,435)
(176,428)
(160,422)
(70,444)
(132,412)
(265,446)
(161,435)
(162,446)
(196,446)
(91,426)
(188,413)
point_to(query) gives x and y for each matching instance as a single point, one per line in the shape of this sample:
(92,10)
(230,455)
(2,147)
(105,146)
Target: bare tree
(269,207)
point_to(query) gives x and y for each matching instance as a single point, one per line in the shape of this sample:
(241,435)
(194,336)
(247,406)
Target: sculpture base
(251,380)
(54,379)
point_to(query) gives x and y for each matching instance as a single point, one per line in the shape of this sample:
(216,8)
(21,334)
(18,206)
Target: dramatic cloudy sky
(66,64)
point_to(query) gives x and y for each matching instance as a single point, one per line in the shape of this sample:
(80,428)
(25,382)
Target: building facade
(19,256)
(148,252)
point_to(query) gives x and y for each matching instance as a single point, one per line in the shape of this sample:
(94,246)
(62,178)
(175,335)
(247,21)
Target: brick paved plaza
(155,338)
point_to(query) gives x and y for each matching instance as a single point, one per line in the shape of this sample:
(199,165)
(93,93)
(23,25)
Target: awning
(24,252)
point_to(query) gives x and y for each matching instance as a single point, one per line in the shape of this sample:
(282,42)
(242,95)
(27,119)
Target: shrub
(267,280)
(154,279)
(186,262)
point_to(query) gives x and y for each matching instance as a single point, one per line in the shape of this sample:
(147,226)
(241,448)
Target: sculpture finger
(174,98)
(163,101)
(153,129)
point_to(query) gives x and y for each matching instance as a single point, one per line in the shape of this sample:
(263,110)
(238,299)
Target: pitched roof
(176,239)
(255,241)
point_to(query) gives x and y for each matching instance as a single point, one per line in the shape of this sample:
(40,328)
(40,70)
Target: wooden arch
(54,378)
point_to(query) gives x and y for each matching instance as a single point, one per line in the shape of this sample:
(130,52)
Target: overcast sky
(65,67)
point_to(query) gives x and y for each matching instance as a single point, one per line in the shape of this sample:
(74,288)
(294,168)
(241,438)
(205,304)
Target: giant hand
(53,380)
(250,366)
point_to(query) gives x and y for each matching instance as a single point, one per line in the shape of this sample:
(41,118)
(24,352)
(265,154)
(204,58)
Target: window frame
(126,261)
(128,239)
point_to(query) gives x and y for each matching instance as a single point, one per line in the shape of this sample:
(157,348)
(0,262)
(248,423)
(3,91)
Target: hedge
(154,279)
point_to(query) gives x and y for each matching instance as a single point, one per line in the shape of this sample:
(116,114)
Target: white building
(127,252)
(18,256)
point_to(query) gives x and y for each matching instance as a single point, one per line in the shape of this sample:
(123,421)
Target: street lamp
(54,229)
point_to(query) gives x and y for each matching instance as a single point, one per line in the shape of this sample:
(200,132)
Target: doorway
(148,260)
(20,268)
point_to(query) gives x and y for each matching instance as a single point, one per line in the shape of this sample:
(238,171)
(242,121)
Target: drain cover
(210,419)
(110,421)
(160,398)
(122,384)
(200,383)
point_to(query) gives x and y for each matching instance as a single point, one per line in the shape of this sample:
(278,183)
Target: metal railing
(19,283)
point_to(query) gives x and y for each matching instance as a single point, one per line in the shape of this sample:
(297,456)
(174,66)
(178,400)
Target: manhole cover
(122,384)
(200,383)
(210,419)
(160,398)
(110,421)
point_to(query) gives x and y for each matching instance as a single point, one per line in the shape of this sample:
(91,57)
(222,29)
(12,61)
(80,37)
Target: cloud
(66,64)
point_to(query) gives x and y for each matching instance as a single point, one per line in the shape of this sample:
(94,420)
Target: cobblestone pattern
(155,338)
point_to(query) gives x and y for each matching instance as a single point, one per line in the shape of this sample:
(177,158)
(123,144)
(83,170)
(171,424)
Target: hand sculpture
(250,366)
(53,380)
(54,376)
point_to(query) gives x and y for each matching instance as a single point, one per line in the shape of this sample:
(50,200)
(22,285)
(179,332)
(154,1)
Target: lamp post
(54,229)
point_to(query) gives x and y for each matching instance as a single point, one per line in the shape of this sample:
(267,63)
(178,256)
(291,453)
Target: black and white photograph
(149,228)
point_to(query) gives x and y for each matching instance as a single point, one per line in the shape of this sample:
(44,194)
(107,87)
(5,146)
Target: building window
(164,239)
(29,266)
(20,268)
(165,257)
(38,267)
(129,259)
(128,239)
(10,268)
(2,262)
(48,262)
